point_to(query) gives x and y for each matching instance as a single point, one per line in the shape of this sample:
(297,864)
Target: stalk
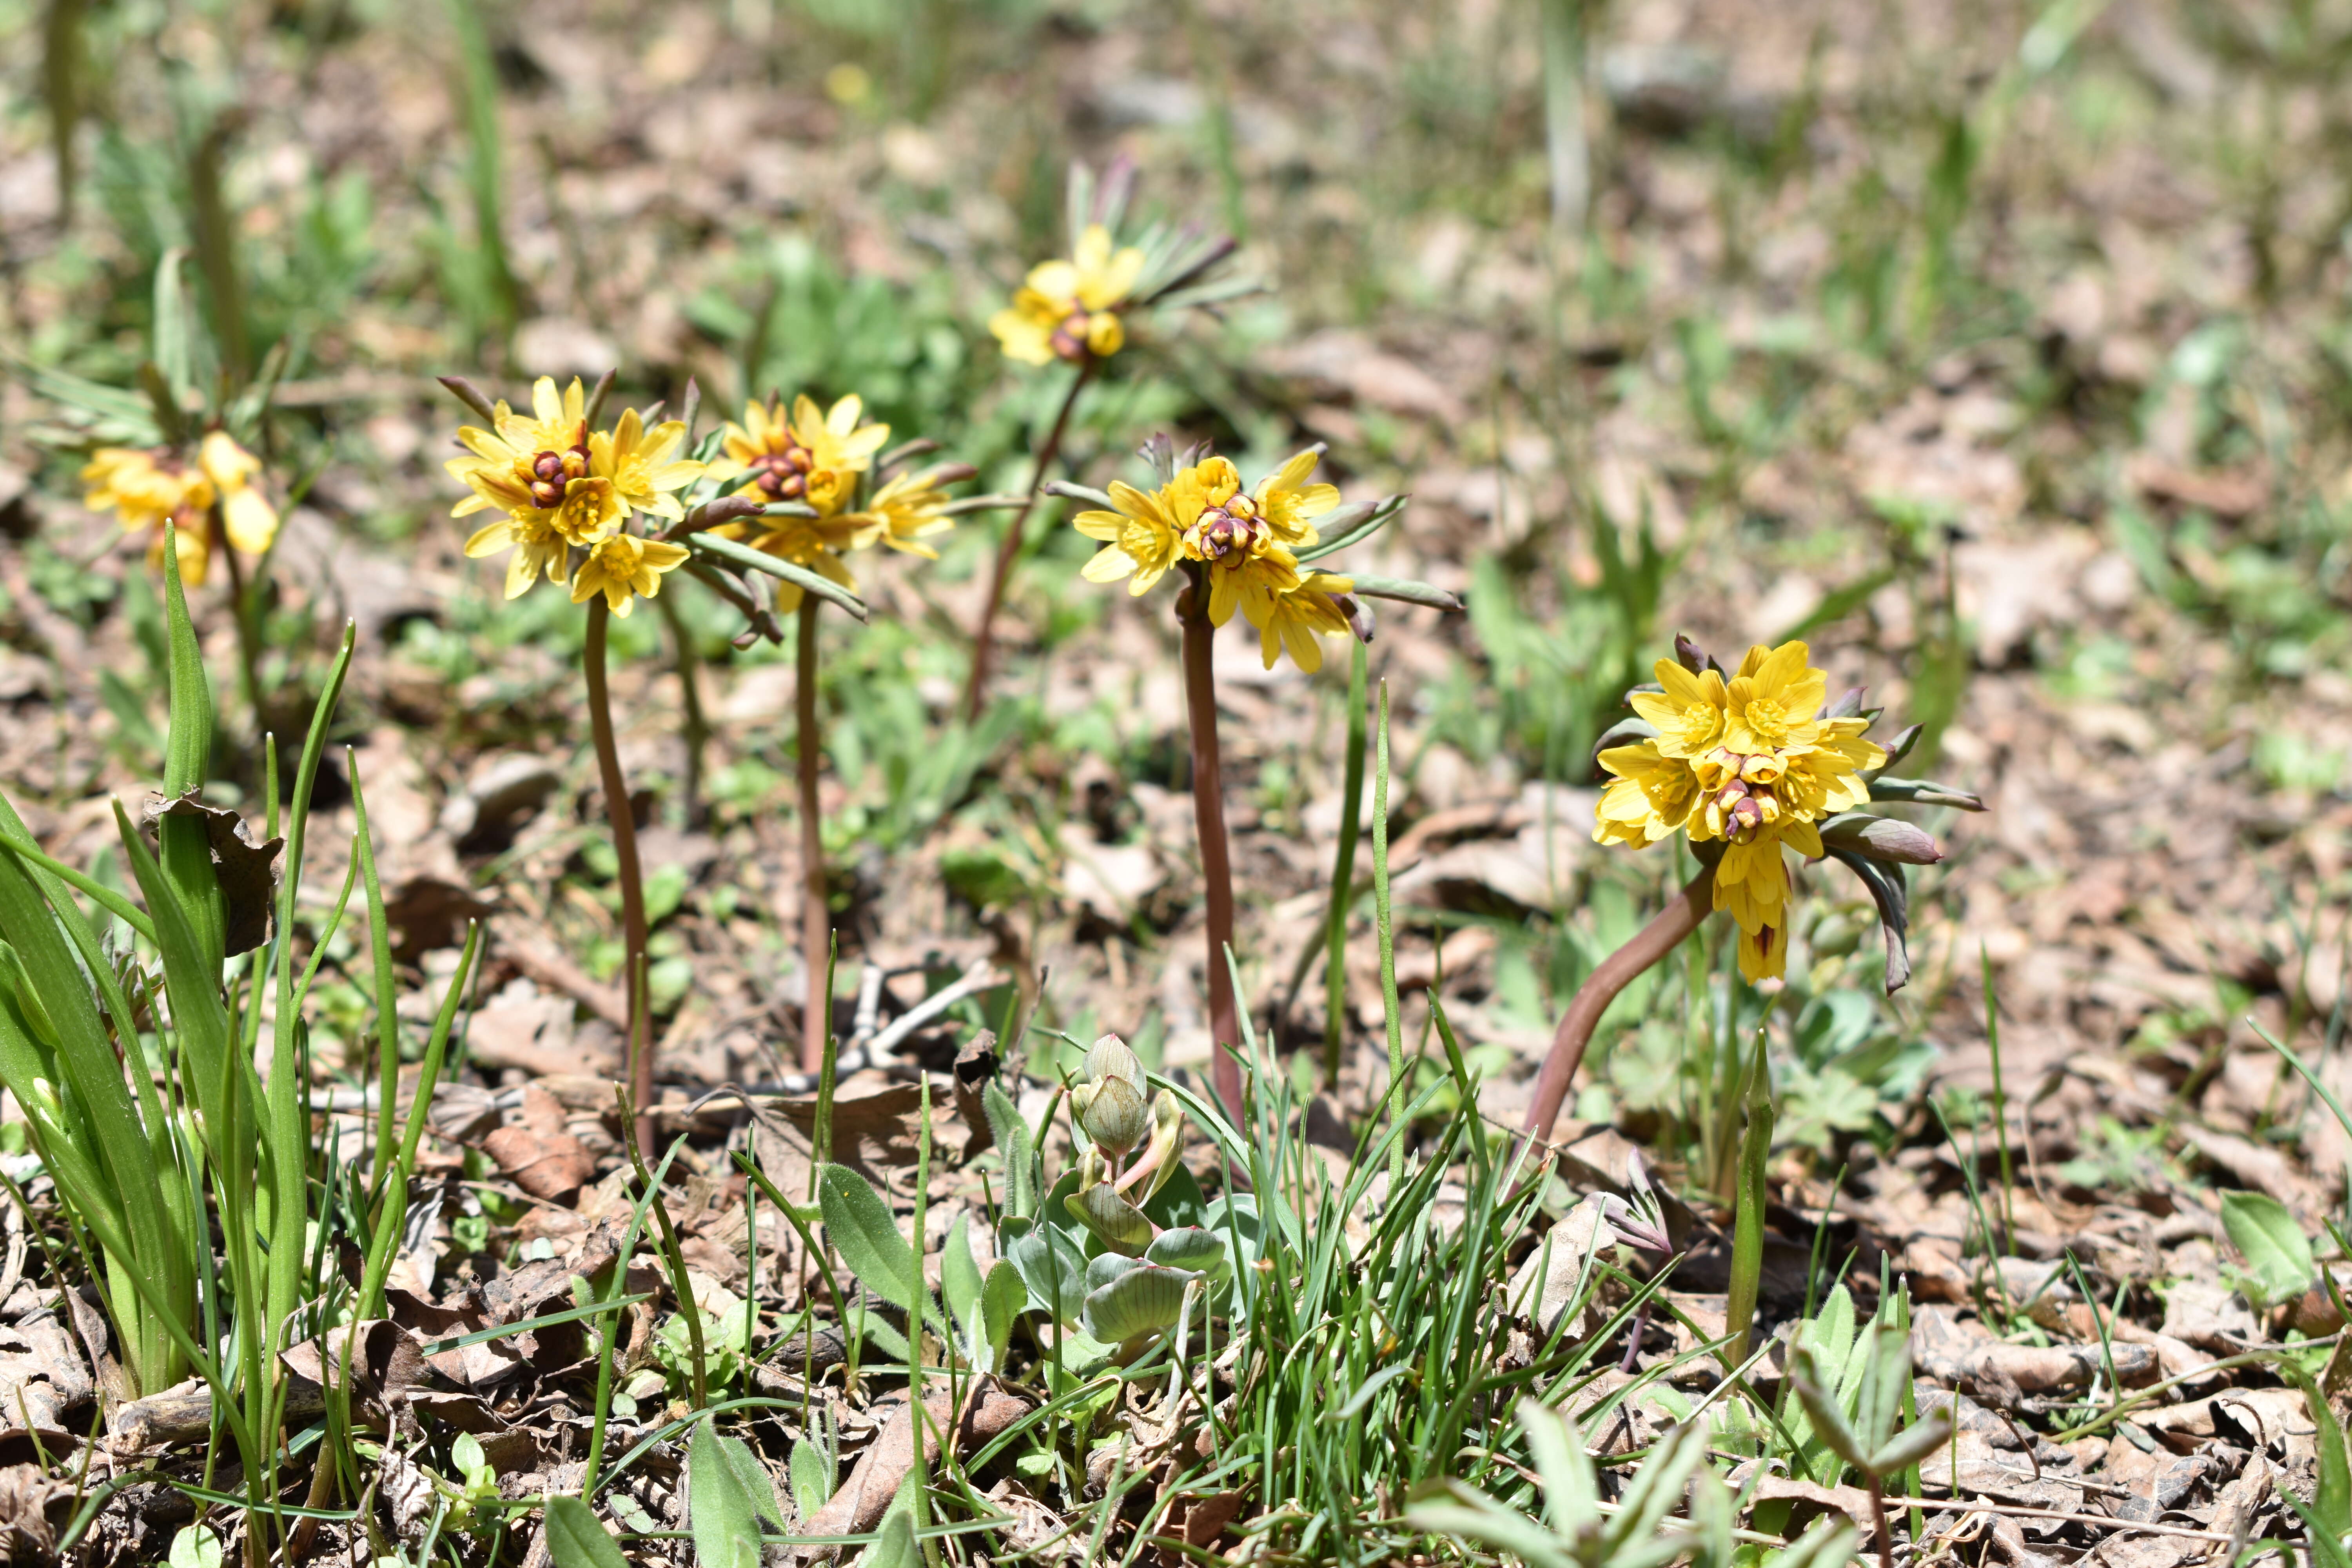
(696,724)
(1681,917)
(1384,919)
(816,917)
(633,882)
(1343,870)
(1747,1211)
(1209,826)
(1008,550)
(248,652)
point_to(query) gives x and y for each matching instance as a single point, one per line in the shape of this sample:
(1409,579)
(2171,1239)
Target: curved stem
(816,917)
(1681,917)
(617,809)
(1209,826)
(1008,550)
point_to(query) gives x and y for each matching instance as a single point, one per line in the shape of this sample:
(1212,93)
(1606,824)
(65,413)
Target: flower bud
(1109,1058)
(1117,1116)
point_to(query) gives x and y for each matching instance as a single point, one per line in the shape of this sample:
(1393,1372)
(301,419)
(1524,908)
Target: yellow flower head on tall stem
(623,568)
(812,454)
(1068,310)
(1242,542)
(1749,762)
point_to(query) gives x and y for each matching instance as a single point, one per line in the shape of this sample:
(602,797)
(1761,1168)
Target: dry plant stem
(1681,917)
(1008,550)
(1209,825)
(816,919)
(633,882)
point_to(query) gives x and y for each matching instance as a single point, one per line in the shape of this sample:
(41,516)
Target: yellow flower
(1142,536)
(538,550)
(637,462)
(250,521)
(532,462)
(1290,506)
(1068,310)
(1243,544)
(1749,762)
(1292,620)
(1230,536)
(1771,703)
(142,491)
(1651,798)
(1688,715)
(910,508)
(813,456)
(147,490)
(624,568)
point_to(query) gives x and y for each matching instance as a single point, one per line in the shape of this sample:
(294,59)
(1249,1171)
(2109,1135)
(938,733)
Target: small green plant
(1855,1405)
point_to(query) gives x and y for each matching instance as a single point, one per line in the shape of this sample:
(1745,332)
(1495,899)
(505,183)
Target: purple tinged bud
(1881,839)
(1689,655)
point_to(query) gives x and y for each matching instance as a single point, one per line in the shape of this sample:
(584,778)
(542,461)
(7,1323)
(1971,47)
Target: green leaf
(2278,1256)
(813,1476)
(896,1549)
(1141,1301)
(184,844)
(1829,1422)
(1020,1152)
(1828,1544)
(728,1509)
(1179,1201)
(574,1539)
(960,1281)
(1119,1224)
(195,1547)
(2331,1500)
(867,1237)
(1189,1248)
(1001,1300)
(1053,1267)
(1924,1436)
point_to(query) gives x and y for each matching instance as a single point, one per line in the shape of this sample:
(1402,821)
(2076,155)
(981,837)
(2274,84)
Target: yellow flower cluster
(1244,544)
(1068,310)
(1749,761)
(567,493)
(150,488)
(822,458)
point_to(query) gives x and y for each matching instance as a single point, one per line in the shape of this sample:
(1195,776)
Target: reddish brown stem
(618,811)
(1008,550)
(1209,826)
(816,916)
(1681,917)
